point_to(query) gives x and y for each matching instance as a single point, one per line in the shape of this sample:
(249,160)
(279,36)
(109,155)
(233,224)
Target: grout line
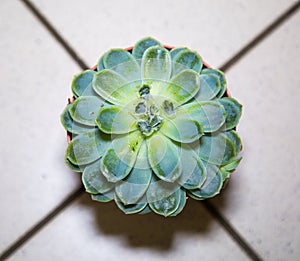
(231,231)
(226,66)
(38,226)
(55,34)
(261,36)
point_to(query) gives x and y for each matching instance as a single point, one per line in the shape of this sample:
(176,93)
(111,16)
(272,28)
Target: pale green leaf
(85,109)
(221,77)
(131,208)
(73,126)
(217,149)
(114,88)
(122,62)
(156,64)
(168,205)
(232,165)
(116,120)
(193,169)
(175,51)
(105,197)
(134,186)
(88,147)
(210,86)
(164,158)
(211,115)
(82,84)
(235,138)
(94,181)
(234,111)
(119,159)
(211,186)
(182,129)
(141,46)
(181,203)
(187,59)
(182,87)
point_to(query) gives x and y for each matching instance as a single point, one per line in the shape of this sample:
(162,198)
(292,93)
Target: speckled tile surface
(217,29)
(95,231)
(262,200)
(34,74)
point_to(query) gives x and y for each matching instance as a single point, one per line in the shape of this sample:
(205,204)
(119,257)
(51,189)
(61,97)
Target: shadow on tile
(150,230)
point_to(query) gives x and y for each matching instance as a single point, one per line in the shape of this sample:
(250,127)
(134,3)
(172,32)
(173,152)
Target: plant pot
(208,116)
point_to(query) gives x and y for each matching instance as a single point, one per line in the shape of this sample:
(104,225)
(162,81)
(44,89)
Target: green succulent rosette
(150,127)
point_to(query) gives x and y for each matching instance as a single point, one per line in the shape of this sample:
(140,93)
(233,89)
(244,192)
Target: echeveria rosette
(150,127)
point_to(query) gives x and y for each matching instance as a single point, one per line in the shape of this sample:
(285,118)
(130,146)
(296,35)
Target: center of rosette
(149,119)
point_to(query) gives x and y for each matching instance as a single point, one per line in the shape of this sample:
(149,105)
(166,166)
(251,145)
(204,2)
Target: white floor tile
(262,200)
(217,29)
(99,231)
(35,82)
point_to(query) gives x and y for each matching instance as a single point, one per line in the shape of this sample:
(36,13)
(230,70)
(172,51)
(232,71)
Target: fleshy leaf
(187,59)
(236,140)
(225,175)
(116,120)
(232,165)
(84,109)
(159,189)
(210,114)
(72,166)
(216,149)
(210,87)
(193,170)
(141,46)
(94,181)
(146,210)
(122,62)
(234,111)
(164,158)
(175,51)
(119,159)
(211,186)
(100,65)
(181,203)
(168,205)
(221,77)
(82,84)
(183,87)
(88,147)
(104,197)
(72,126)
(130,208)
(114,168)
(182,129)
(115,88)
(156,64)
(134,186)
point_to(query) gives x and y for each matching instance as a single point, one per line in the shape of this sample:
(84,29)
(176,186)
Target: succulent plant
(150,127)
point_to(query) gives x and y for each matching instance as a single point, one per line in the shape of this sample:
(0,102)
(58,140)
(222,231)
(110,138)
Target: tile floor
(261,203)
